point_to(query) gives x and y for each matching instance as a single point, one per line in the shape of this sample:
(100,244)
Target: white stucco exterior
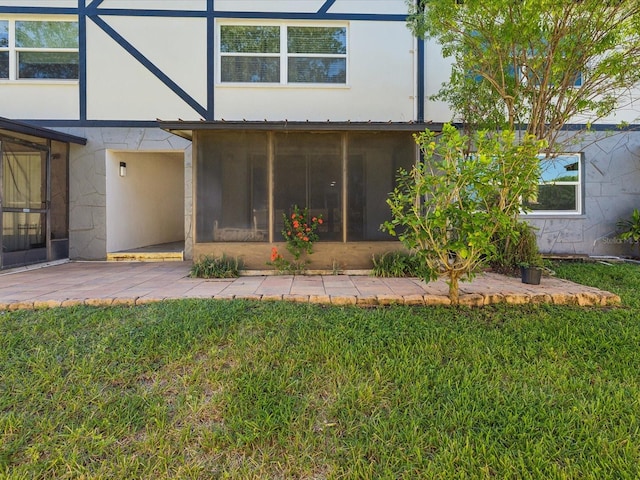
(136,68)
(380,87)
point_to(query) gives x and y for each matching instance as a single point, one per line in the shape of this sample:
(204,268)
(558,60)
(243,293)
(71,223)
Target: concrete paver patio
(109,283)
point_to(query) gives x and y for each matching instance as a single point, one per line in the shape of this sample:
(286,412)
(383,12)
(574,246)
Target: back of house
(202,123)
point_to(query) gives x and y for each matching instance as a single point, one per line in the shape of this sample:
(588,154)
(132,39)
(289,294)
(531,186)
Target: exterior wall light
(123,169)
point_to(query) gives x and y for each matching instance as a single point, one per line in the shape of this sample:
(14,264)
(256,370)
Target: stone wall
(611,192)
(87,183)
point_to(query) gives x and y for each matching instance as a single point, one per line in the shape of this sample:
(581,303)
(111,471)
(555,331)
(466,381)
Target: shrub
(515,248)
(396,264)
(449,207)
(216,267)
(300,231)
(631,228)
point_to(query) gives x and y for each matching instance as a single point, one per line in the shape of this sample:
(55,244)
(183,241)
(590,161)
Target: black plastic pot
(531,275)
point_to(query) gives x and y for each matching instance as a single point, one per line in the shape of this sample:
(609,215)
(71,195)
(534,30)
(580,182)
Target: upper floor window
(38,50)
(283,54)
(4,49)
(560,187)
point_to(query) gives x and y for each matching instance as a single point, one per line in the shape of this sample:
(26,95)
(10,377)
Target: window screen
(243,50)
(279,54)
(47,50)
(317,54)
(4,49)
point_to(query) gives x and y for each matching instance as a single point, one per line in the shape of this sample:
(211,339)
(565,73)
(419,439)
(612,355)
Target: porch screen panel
(59,191)
(231,187)
(373,162)
(24,177)
(308,173)
(24,192)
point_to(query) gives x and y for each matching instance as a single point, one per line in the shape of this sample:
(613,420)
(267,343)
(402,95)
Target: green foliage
(620,278)
(631,228)
(300,231)
(397,264)
(237,389)
(216,267)
(516,63)
(448,208)
(515,248)
(284,266)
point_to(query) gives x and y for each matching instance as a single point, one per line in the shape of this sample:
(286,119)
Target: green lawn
(217,389)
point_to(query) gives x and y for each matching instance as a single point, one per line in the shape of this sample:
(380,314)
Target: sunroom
(34,198)
(248,175)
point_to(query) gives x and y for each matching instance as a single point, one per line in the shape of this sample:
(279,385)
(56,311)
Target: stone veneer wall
(611,192)
(87,183)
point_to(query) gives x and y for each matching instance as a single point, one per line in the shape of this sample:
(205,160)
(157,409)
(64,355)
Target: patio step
(145,256)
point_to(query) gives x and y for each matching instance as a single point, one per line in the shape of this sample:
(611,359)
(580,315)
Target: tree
(448,207)
(534,65)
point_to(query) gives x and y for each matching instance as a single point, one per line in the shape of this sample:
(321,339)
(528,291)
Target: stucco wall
(146,205)
(87,182)
(380,86)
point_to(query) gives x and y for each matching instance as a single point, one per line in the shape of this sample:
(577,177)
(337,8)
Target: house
(204,121)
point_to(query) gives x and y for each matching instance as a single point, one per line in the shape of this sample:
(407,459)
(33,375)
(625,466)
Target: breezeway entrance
(145,199)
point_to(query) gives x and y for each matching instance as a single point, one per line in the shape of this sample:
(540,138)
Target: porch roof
(185,128)
(23,128)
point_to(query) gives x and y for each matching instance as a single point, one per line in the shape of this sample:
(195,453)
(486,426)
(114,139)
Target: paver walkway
(103,283)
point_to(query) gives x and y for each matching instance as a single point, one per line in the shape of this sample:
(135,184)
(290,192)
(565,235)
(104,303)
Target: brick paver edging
(584,299)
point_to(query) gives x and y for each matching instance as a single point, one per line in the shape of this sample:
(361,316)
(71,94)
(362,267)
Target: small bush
(512,251)
(396,264)
(216,267)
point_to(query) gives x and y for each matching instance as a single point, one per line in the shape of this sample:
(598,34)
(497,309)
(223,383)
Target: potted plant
(631,228)
(531,273)
(527,256)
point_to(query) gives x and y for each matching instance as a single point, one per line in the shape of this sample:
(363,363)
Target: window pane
(47,34)
(4,33)
(250,69)
(60,65)
(561,169)
(555,197)
(374,159)
(308,173)
(231,196)
(317,40)
(4,64)
(317,70)
(244,39)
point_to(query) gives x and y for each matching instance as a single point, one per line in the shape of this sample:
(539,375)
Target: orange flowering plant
(300,231)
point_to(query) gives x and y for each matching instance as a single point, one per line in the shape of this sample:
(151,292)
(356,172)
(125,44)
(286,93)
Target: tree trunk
(454,293)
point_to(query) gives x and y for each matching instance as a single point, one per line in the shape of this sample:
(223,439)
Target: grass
(218,389)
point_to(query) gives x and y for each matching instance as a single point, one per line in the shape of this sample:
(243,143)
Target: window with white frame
(4,49)
(560,187)
(35,49)
(283,54)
